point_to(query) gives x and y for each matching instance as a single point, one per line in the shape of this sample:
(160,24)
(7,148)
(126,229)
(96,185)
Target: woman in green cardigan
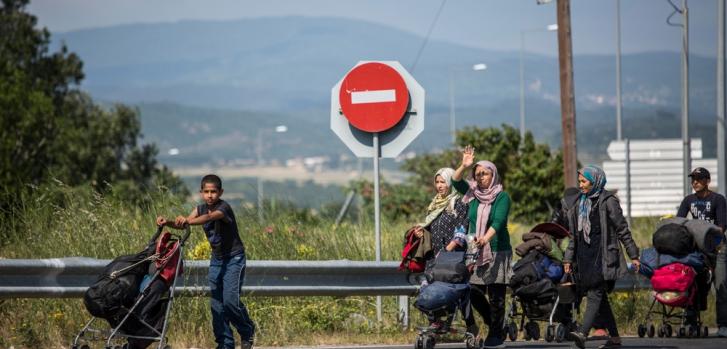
(488,208)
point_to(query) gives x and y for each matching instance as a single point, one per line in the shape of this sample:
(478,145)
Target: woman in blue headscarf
(594,254)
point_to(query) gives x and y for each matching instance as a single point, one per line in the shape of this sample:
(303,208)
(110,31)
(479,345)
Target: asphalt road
(628,342)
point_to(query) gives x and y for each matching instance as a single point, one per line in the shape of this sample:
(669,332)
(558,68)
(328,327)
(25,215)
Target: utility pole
(567,95)
(721,168)
(687,158)
(619,134)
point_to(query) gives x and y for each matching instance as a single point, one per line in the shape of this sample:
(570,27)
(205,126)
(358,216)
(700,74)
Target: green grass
(58,221)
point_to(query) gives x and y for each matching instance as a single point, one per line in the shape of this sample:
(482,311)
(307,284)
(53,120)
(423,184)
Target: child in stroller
(134,294)
(446,290)
(537,288)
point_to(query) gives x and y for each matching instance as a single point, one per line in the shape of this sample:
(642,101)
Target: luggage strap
(116,273)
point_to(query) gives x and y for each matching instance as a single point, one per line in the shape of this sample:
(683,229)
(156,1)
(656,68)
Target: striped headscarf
(597,177)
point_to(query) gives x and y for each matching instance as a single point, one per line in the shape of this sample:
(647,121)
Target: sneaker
(494,342)
(438,327)
(722,332)
(579,339)
(246,344)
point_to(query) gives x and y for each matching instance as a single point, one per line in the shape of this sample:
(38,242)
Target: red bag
(673,277)
(409,262)
(673,284)
(168,251)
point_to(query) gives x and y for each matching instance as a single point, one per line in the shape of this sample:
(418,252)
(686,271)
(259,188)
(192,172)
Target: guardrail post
(404,311)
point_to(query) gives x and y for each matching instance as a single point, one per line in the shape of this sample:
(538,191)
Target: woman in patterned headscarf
(488,209)
(445,213)
(594,254)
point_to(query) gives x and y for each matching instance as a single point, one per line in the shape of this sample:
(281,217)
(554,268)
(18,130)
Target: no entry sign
(377,97)
(373,97)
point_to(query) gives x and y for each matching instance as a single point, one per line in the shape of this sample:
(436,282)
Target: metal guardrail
(69,278)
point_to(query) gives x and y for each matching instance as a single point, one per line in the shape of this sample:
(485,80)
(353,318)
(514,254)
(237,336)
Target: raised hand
(468,156)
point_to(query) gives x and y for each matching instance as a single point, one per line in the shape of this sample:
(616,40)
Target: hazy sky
(491,24)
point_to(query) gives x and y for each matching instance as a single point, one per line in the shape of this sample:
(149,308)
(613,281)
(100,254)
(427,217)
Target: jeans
(491,307)
(720,286)
(597,304)
(225,278)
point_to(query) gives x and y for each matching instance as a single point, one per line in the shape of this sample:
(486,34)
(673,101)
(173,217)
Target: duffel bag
(441,295)
(449,267)
(706,235)
(542,288)
(673,239)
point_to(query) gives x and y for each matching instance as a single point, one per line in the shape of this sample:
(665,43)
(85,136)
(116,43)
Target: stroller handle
(187,232)
(154,237)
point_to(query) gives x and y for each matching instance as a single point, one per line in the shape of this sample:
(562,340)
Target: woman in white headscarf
(488,208)
(445,213)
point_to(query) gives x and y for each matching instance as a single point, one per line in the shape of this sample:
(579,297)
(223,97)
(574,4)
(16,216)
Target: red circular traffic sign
(373,97)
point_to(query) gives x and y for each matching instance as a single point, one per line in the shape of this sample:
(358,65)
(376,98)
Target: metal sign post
(377,109)
(377,215)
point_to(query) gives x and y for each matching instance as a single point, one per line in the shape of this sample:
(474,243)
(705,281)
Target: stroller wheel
(535,330)
(641,330)
(652,331)
(682,332)
(705,331)
(693,331)
(418,342)
(667,330)
(512,331)
(560,332)
(471,342)
(550,333)
(660,332)
(428,342)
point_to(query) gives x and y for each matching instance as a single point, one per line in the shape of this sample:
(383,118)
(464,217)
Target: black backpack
(106,297)
(527,270)
(449,267)
(673,239)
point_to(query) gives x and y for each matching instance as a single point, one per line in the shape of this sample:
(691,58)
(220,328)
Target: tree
(530,173)
(50,128)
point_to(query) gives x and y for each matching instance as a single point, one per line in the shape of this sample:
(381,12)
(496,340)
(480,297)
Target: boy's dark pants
(225,277)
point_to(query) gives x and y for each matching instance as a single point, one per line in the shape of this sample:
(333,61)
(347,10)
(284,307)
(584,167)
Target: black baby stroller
(679,270)
(447,292)
(539,292)
(134,294)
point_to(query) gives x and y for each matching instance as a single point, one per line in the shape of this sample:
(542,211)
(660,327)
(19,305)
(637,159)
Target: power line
(426,38)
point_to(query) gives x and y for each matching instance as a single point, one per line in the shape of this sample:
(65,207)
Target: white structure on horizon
(657,175)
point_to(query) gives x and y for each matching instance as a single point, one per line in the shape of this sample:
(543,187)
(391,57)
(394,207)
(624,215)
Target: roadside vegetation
(76,180)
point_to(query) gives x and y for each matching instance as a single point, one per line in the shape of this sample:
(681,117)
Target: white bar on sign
(378,96)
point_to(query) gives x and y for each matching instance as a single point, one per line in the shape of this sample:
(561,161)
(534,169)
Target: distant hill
(236,76)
